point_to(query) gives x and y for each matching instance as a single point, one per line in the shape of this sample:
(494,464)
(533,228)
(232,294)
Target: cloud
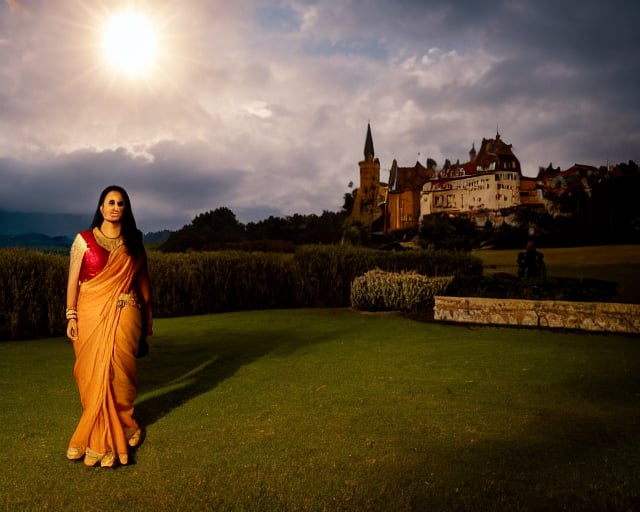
(263,106)
(169,185)
(14,5)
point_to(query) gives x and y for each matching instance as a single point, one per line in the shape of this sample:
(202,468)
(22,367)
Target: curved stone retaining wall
(588,316)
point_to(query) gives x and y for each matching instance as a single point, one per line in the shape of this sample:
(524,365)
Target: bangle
(71,313)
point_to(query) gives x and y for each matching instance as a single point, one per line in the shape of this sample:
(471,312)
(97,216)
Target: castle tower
(366,207)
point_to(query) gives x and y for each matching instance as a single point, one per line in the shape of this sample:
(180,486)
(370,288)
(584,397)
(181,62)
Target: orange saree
(109,328)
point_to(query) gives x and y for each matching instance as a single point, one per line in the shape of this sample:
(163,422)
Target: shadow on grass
(560,461)
(585,457)
(174,373)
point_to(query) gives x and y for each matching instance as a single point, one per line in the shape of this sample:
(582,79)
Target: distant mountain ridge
(37,241)
(49,224)
(50,231)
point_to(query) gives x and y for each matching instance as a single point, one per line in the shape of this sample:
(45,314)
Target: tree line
(220,229)
(606,212)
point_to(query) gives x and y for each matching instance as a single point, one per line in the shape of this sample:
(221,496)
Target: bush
(328,271)
(377,290)
(539,288)
(454,233)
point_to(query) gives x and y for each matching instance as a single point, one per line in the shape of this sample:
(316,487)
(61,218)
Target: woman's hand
(72,329)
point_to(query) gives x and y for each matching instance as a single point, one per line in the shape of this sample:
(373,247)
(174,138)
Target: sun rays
(130,43)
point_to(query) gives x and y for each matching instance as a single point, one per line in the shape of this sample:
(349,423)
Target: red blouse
(95,257)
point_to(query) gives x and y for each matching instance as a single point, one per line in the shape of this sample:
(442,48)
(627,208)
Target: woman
(108,294)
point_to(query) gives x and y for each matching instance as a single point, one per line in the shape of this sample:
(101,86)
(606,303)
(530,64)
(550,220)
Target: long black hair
(131,235)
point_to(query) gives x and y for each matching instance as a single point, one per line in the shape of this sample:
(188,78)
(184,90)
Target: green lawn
(332,409)
(617,263)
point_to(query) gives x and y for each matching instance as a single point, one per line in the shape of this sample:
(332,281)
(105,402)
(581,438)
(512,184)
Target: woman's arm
(76,254)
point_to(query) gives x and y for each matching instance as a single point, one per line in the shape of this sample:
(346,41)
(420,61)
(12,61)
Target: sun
(130,43)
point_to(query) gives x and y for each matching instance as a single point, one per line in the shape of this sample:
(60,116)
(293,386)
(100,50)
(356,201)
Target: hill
(49,224)
(50,231)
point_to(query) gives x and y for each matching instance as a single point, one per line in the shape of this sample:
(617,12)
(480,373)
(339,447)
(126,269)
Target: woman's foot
(75,452)
(108,460)
(134,439)
(91,458)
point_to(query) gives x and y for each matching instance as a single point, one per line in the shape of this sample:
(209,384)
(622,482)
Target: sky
(262,106)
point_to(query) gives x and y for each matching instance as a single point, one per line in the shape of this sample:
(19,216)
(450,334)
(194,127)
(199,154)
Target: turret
(367,199)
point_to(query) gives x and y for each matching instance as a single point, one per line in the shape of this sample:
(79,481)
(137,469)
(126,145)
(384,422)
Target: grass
(335,410)
(617,263)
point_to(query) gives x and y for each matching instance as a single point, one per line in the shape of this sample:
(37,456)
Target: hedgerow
(33,284)
(33,290)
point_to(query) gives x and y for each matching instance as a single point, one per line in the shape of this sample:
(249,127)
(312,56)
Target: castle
(490,182)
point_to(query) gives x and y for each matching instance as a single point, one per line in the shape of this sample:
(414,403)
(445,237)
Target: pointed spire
(368,145)
(393,175)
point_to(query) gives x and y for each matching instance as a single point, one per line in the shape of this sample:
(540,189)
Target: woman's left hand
(72,329)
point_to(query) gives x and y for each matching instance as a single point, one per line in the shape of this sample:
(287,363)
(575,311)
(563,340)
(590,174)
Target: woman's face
(113,207)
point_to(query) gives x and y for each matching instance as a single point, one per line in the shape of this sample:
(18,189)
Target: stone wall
(588,316)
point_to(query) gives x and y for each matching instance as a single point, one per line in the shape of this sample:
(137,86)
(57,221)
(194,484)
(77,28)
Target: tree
(349,201)
(442,231)
(208,231)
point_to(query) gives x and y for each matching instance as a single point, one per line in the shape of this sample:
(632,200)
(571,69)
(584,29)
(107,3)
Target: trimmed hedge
(33,284)
(377,290)
(209,282)
(33,288)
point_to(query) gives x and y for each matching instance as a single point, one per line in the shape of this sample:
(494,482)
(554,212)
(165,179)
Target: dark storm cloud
(167,190)
(263,106)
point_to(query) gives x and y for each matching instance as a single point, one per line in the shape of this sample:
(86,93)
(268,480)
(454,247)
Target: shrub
(328,271)
(538,288)
(378,290)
